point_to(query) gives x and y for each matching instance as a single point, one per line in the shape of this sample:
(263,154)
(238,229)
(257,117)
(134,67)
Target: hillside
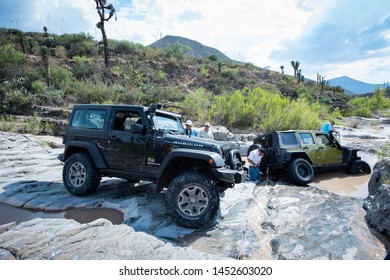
(353,86)
(190,47)
(46,70)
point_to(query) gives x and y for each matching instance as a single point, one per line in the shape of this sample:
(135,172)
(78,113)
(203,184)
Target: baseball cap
(207,124)
(188,122)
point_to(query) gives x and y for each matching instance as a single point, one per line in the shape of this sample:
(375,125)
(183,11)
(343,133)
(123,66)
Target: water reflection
(81,215)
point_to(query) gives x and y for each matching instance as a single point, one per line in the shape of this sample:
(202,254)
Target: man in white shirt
(254,160)
(206,132)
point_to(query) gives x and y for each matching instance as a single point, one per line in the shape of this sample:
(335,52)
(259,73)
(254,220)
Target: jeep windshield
(168,123)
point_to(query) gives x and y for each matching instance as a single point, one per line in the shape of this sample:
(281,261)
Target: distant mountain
(353,86)
(196,49)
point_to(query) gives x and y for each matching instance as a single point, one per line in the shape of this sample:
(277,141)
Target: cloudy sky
(333,38)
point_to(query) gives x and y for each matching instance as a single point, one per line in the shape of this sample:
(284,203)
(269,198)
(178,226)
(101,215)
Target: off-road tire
(358,167)
(192,200)
(80,175)
(300,171)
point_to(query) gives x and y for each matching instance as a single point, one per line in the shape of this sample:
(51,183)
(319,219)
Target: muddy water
(346,184)
(14,214)
(342,183)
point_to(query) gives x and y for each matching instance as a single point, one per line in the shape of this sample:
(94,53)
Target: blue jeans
(254,173)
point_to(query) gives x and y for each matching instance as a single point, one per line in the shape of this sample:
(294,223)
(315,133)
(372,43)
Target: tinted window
(124,119)
(288,138)
(88,118)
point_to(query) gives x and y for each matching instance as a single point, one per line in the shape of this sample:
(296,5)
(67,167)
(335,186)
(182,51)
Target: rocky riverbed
(278,221)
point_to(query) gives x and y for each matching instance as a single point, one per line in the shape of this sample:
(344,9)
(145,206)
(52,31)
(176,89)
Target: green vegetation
(384,152)
(40,69)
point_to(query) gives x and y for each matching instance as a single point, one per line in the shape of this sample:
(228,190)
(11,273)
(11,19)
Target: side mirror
(136,128)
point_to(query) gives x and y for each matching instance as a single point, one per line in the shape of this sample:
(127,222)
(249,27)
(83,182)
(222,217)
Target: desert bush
(264,110)
(83,67)
(11,62)
(8,123)
(19,101)
(94,90)
(197,104)
(358,107)
(61,78)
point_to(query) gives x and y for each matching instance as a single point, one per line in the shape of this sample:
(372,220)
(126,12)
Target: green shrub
(384,152)
(96,91)
(83,67)
(61,78)
(160,75)
(11,62)
(264,111)
(197,104)
(19,101)
(8,123)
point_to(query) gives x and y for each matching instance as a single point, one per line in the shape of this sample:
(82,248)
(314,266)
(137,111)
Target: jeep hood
(184,141)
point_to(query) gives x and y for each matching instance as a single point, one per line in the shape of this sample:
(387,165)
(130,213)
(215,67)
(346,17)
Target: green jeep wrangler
(299,153)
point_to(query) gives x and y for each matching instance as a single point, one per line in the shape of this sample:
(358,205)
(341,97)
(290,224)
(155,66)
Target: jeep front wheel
(301,172)
(358,167)
(80,175)
(192,200)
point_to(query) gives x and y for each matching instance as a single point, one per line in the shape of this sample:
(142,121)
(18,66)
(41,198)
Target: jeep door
(127,142)
(329,153)
(309,146)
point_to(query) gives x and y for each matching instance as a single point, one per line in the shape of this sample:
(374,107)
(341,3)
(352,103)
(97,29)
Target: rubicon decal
(188,144)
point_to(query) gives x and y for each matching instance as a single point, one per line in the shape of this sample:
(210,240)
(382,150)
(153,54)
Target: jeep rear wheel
(300,171)
(192,200)
(80,175)
(358,167)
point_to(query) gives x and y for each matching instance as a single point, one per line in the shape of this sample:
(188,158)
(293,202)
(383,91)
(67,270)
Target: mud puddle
(340,182)
(18,215)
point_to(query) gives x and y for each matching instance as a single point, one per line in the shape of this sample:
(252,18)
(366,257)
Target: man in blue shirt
(188,130)
(327,127)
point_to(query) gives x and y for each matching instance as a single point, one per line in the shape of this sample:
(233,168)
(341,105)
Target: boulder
(377,203)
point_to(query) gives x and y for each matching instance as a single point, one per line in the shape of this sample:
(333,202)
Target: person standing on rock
(254,159)
(206,132)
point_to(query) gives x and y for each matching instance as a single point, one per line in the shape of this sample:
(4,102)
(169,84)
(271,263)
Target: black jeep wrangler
(299,153)
(146,143)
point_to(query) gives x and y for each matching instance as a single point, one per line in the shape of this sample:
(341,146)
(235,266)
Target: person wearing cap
(188,130)
(206,132)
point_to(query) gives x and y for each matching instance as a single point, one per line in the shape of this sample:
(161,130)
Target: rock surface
(60,239)
(254,222)
(377,203)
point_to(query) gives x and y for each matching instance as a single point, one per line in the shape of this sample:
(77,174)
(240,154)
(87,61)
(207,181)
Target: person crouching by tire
(254,160)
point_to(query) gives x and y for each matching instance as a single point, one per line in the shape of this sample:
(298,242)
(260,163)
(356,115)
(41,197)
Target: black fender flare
(92,149)
(214,159)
